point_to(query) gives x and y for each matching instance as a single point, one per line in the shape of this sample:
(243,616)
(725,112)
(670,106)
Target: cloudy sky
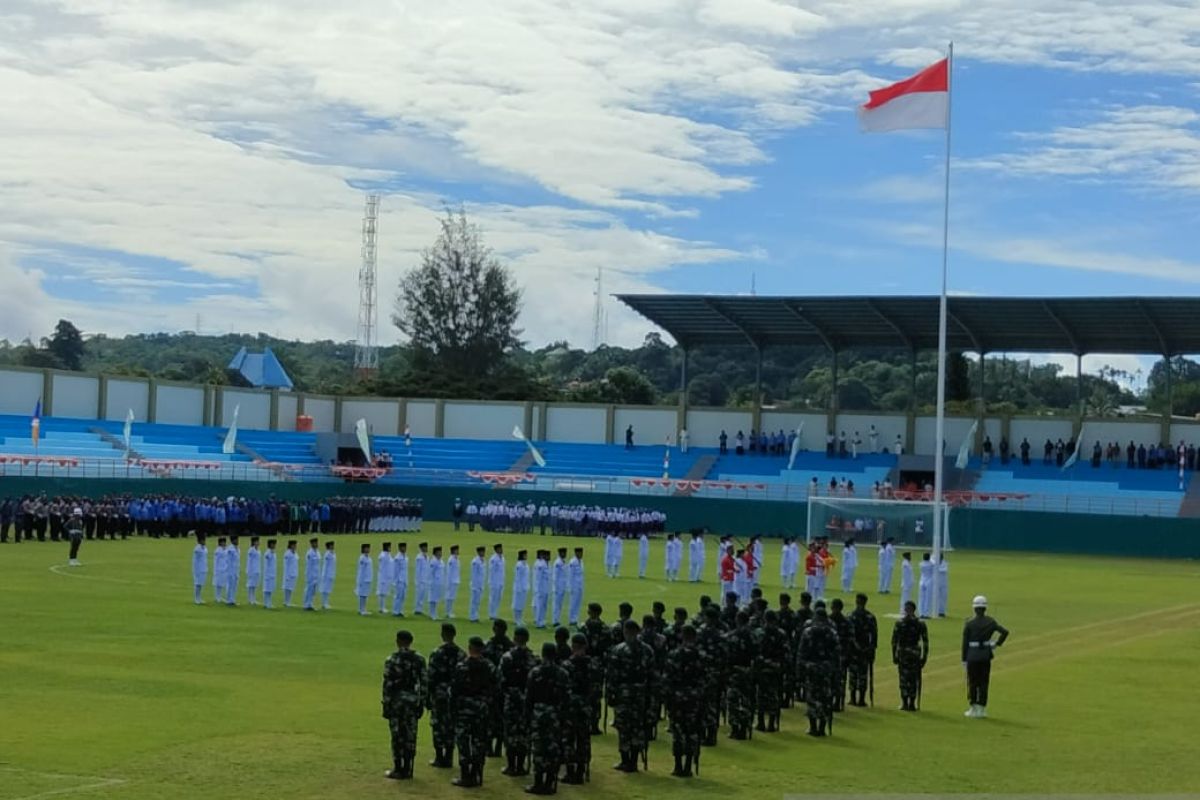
(168,160)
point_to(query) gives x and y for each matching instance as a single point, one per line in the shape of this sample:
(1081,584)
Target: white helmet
(77,511)
(979,602)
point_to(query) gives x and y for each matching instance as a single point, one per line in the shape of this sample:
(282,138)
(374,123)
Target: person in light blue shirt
(268,573)
(199,568)
(312,574)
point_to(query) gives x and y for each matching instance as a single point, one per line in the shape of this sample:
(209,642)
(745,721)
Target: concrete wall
(955,430)
(811,438)
(19,391)
(1105,431)
(650,425)
(1038,431)
(888,426)
(705,425)
(127,393)
(422,415)
(179,405)
(254,413)
(992,427)
(287,411)
(76,396)
(577,424)
(1186,431)
(465,420)
(321,410)
(382,416)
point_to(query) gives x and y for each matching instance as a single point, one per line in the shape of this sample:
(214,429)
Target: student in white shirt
(328,574)
(453,578)
(253,571)
(476,582)
(362,579)
(291,572)
(268,573)
(199,569)
(383,577)
(400,578)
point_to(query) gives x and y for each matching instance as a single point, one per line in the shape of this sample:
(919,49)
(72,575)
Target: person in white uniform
(384,580)
(312,574)
(476,580)
(520,590)
(253,571)
(541,588)
(362,579)
(849,565)
(269,573)
(291,572)
(906,580)
(199,569)
(233,569)
(575,586)
(496,579)
(925,588)
(328,575)
(696,557)
(887,561)
(559,580)
(453,579)
(218,571)
(643,554)
(421,578)
(435,580)
(400,578)
(943,584)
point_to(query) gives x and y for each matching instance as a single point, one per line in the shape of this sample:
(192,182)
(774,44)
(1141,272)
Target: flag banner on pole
(533,451)
(230,446)
(922,101)
(795,446)
(35,423)
(128,432)
(1070,462)
(364,438)
(964,450)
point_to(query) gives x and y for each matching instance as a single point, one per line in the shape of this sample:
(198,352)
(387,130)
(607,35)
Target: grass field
(114,685)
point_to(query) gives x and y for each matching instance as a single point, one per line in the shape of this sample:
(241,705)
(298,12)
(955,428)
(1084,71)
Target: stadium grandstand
(122,428)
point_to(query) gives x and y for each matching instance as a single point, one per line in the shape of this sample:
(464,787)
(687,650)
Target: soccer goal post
(908,522)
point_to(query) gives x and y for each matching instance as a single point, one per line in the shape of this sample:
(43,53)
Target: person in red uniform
(814,571)
(751,570)
(728,569)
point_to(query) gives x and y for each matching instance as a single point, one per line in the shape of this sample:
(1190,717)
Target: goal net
(908,522)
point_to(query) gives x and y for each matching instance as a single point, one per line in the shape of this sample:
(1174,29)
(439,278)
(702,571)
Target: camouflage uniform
(740,690)
(629,683)
(799,682)
(577,717)
(599,642)
(910,648)
(473,685)
(711,644)
(514,675)
(866,640)
(685,680)
(772,655)
(654,701)
(819,654)
(493,651)
(546,697)
(787,623)
(845,633)
(441,721)
(403,704)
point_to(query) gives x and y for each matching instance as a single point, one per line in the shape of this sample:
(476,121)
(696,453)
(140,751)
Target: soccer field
(114,685)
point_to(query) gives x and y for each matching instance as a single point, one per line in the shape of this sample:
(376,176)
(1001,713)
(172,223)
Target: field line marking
(67,571)
(96,783)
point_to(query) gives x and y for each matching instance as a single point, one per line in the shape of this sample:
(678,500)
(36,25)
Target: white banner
(795,446)
(964,451)
(128,430)
(230,446)
(517,433)
(364,438)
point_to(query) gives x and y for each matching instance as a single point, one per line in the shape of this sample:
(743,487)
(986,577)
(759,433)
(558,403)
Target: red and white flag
(922,101)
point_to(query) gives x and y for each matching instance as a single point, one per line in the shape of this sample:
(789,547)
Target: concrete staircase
(117,444)
(698,472)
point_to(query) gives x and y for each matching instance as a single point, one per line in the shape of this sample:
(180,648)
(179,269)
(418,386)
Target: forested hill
(646,374)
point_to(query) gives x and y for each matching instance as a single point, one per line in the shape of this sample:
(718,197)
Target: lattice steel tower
(366,355)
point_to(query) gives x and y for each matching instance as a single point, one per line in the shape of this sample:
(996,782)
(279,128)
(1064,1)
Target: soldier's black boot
(521,764)
(396,773)
(536,787)
(466,776)
(762,724)
(687,767)
(509,767)
(821,728)
(812,726)
(408,765)
(678,771)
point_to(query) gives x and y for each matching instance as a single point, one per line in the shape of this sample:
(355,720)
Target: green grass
(114,685)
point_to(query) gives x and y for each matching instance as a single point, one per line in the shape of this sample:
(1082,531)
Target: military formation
(732,665)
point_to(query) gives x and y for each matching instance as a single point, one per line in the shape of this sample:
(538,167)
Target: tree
(460,306)
(66,344)
(958,377)
(627,385)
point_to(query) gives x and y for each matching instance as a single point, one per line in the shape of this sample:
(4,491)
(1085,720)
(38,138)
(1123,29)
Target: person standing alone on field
(977,652)
(910,651)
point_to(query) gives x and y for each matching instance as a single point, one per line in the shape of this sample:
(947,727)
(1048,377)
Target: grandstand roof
(1138,325)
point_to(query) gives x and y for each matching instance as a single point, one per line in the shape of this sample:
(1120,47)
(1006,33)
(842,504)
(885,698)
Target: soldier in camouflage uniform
(545,703)
(698,620)
(659,609)
(577,715)
(440,676)
(804,615)
(562,645)
(472,687)
(514,675)
(711,644)
(616,634)
(629,681)
(403,703)
(493,651)
(787,623)
(729,611)
(658,643)
(684,695)
(772,655)
(849,652)
(865,631)
(820,654)
(599,642)
(910,651)
(740,649)
(674,631)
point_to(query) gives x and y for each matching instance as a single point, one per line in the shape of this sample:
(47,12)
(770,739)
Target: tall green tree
(66,344)
(460,306)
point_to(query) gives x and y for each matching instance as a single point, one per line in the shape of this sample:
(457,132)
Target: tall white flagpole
(940,428)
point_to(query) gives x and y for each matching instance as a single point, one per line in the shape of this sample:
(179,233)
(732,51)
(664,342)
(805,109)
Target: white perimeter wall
(180,405)
(422,416)
(1037,431)
(287,411)
(124,394)
(321,410)
(482,420)
(576,425)
(382,416)
(76,396)
(1186,431)
(254,413)
(650,425)
(1106,431)
(705,425)
(888,427)
(955,430)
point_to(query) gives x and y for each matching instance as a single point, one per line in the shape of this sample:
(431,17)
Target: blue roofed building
(259,370)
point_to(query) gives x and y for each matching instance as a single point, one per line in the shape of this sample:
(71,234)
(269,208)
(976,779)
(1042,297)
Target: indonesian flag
(922,101)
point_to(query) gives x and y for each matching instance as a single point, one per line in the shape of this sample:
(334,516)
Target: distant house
(258,370)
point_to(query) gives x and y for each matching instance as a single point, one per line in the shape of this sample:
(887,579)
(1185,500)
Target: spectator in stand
(829,444)
(1048,453)
(723,440)
(740,444)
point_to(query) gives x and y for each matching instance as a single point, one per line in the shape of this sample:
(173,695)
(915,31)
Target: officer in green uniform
(910,651)
(472,687)
(865,631)
(440,676)
(740,651)
(493,651)
(629,682)
(403,703)
(514,676)
(711,644)
(846,640)
(577,715)
(978,648)
(546,696)
(769,664)
(684,699)
(820,654)
(599,641)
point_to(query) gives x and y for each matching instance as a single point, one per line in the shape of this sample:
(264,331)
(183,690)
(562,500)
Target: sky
(167,165)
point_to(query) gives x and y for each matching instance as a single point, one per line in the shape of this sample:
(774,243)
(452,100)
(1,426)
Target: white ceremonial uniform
(886,563)
(362,582)
(328,574)
(269,575)
(253,574)
(541,592)
(849,566)
(495,584)
(757,550)
(199,571)
(943,587)
(695,559)
(421,579)
(559,581)
(741,585)
(233,570)
(453,579)
(218,574)
(399,582)
(643,554)
(384,580)
(925,589)
(785,565)
(435,582)
(575,584)
(520,591)
(291,575)
(476,586)
(618,555)
(906,583)
(312,576)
